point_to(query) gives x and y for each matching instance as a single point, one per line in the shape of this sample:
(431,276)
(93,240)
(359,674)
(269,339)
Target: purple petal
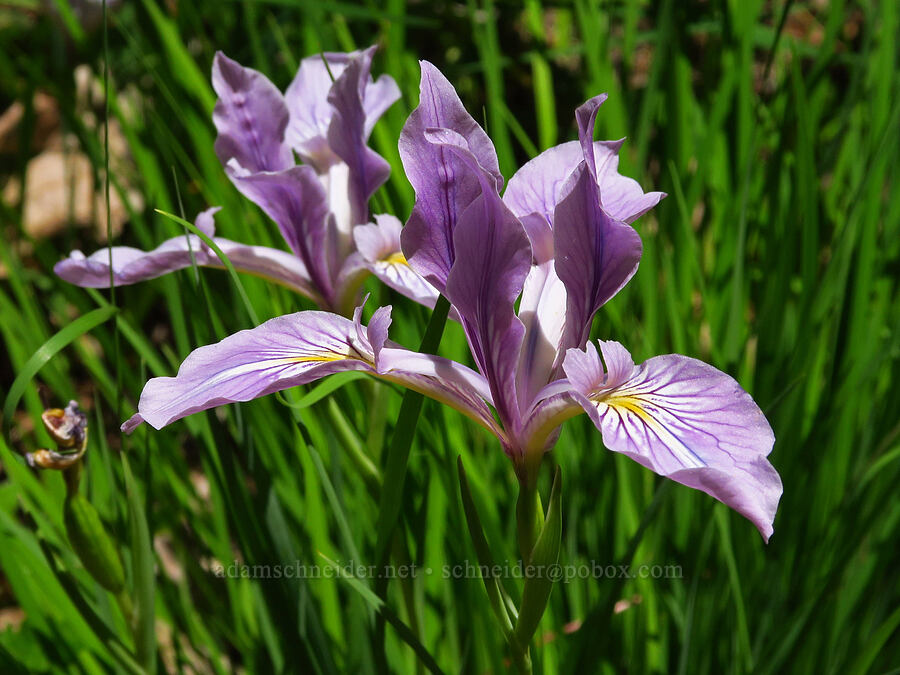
(131,265)
(585,119)
(281,353)
(251,118)
(444,380)
(493,257)
(536,188)
(311,112)
(685,420)
(299,348)
(595,254)
(622,197)
(379,244)
(296,201)
(347,138)
(445,185)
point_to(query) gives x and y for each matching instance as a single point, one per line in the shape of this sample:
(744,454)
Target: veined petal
(347,137)
(131,265)
(379,244)
(281,353)
(536,188)
(299,348)
(683,419)
(296,201)
(595,254)
(444,380)
(493,258)
(445,185)
(311,112)
(251,118)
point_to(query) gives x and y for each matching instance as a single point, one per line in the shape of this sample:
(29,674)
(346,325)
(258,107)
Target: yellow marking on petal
(396,258)
(304,359)
(334,356)
(634,405)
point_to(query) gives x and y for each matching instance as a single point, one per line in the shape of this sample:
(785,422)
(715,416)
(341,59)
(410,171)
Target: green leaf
(486,562)
(225,261)
(47,351)
(401,442)
(92,543)
(403,631)
(142,561)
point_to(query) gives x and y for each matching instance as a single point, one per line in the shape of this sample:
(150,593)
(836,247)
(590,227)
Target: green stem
(529,517)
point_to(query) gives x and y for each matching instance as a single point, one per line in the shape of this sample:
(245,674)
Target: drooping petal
(347,138)
(281,353)
(379,244)
(251,118)
(493,257)
(595,254)
(311,112)
(445,185)
(444,380)
(296,201)
(299,348)
(685,420)
(131,265)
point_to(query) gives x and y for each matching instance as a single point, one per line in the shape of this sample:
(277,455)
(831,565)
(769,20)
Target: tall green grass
(774,129)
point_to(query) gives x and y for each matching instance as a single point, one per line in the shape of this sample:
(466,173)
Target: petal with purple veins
(685,420)
(347,139)
(251,118)
(595,254)
(297,349)
(131,265)
(311,112)
(296,201)
(281,353)
(493,258)
(445,185)
(536,188)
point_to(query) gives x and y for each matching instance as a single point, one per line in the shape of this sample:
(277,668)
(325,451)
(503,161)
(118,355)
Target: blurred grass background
(774,129)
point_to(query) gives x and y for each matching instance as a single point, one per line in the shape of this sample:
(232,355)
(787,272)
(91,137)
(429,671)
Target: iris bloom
(559,240)
(320,206)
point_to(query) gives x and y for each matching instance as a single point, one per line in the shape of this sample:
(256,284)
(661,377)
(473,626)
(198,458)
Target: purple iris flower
(559,242)
(320,206)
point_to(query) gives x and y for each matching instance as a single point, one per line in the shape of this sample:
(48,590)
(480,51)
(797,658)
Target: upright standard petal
(311,111)
(595,254)
(299,348)
(493,257)
(131,265)
(379,244)
(537,187)
(251,118)
(347,139)
(683,419)
(445,185)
